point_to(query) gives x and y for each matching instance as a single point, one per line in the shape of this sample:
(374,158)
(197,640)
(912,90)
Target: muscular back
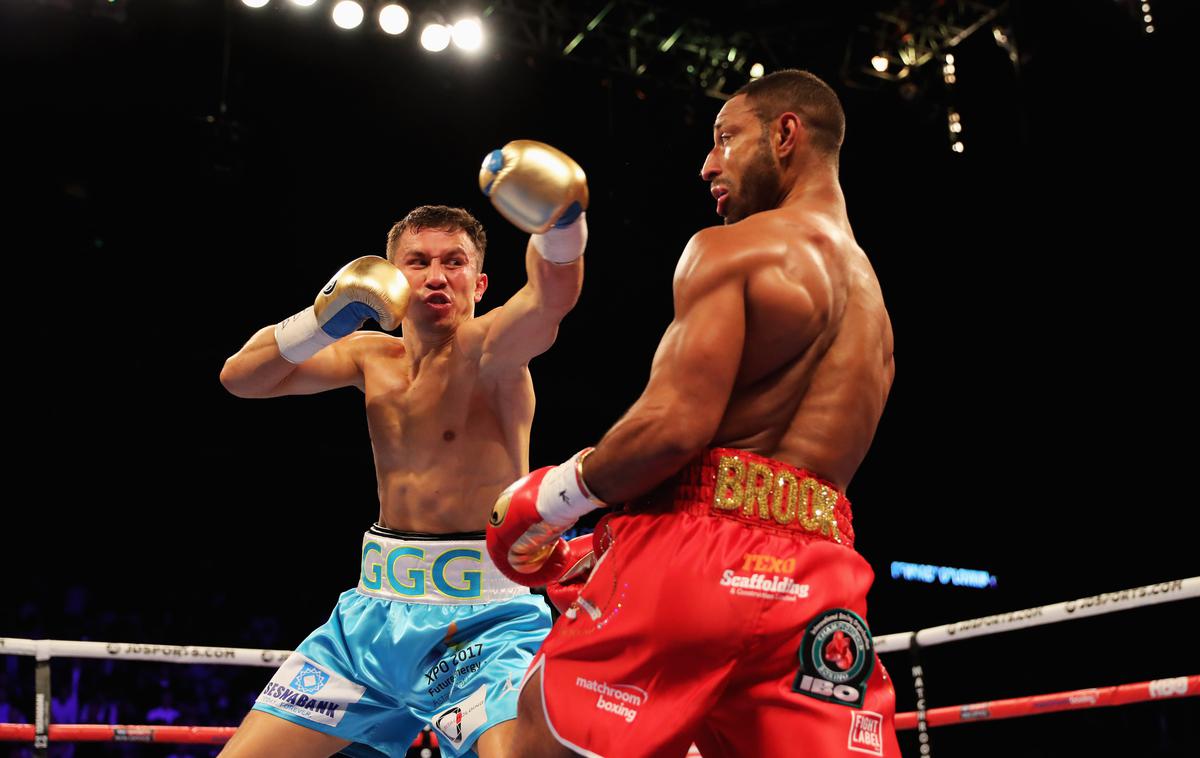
(816,364)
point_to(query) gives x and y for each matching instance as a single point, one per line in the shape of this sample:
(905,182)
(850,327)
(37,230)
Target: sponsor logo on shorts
(777,585)
(508,686)
(462,719)
(866,732)
(1175,687)
(836,658)
(310,680)
(621,700)
(308,690)
(458,666)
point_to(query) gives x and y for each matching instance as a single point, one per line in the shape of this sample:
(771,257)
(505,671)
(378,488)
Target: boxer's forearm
(641,451)
(555,285)
(257,368)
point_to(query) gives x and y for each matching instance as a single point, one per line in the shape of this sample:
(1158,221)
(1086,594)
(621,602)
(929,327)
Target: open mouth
(437,298)
(720,194)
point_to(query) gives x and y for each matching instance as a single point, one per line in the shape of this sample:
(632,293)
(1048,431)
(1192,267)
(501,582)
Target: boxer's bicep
(527,325)
(697,361)
(335,366)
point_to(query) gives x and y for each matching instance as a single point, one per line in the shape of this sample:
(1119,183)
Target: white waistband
(432,572)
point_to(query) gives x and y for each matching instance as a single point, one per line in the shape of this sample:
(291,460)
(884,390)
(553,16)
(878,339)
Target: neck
(815,181)
(420,342)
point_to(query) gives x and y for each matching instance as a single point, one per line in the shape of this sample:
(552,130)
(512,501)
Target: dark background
(1039,427)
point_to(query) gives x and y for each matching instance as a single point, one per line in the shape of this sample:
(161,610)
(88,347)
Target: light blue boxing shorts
(433,634)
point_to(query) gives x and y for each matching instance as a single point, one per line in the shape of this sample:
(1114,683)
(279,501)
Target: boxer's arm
(319,348)
(691,378)
(258,370)
(527,324)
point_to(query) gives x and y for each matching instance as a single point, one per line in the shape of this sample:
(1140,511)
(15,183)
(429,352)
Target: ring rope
(993,710)
(1032,705)
(1095,605)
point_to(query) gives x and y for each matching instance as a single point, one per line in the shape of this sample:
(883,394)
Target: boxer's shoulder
(365,345)
(712,251)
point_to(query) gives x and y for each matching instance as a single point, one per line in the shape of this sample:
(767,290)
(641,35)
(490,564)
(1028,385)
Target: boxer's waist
(431,569)
(757,491)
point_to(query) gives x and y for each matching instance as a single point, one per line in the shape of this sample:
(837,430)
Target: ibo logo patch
(310,680)
(836,658)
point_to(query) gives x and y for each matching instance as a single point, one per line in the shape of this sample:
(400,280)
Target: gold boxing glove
(367,287)
(534,186)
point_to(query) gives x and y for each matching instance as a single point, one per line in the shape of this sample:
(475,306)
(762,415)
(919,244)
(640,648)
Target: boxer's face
(442,268)
(741,168)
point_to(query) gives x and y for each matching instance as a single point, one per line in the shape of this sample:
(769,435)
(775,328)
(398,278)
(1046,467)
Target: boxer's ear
(787,134)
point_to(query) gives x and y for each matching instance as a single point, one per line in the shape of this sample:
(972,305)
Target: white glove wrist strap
(299,337)
(562,496)
(563,245)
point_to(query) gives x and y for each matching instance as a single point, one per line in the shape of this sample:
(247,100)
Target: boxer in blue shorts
(433,633)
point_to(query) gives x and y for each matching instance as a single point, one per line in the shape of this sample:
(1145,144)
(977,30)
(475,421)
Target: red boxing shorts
(728,610)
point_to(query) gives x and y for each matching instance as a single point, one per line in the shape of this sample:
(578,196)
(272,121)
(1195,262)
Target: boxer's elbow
(692,435)
(238,382)
(682,432)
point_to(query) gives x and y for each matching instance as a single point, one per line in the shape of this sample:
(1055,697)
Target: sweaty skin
(449,408)
(780,344)
(450,403)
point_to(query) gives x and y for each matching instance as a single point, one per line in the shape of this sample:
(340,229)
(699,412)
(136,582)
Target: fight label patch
(866,732)
(461,720)
(307,690)
(836,658)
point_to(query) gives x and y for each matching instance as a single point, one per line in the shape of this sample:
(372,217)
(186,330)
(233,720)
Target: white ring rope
(1095,605)
(134,651)
(1106,602)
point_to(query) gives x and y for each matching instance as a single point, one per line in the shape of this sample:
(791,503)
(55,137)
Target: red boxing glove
(564,591)
(524,533)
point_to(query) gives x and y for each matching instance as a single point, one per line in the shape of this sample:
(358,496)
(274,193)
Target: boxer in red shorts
(723,603)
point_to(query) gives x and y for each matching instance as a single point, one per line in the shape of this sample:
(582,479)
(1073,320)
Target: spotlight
(435,37)
(347,14)
(467,34)
(393,19)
